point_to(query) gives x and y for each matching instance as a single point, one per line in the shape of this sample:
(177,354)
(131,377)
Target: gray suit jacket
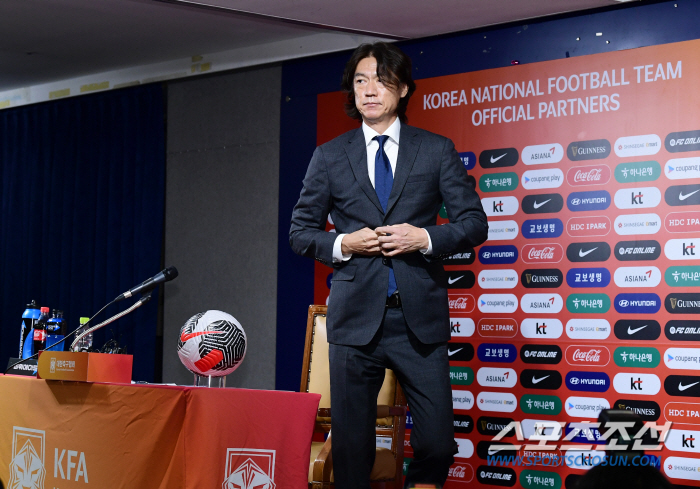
(428,173)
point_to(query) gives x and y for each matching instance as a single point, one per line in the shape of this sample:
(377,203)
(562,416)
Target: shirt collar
(393,131)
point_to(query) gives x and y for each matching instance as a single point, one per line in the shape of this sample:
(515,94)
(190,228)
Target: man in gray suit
(383,185)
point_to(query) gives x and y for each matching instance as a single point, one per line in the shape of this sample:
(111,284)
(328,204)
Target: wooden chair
(391,412)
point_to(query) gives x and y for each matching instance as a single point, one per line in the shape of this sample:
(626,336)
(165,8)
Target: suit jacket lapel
(409,143)
(356,150)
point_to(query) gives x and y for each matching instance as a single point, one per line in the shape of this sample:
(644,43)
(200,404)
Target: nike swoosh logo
(494,451)
(453,280)
(537,381)
(682,387)
(494,160)
(537,205)
(184,337)
(450,352)
(683,197)
(582,253)
(632,331)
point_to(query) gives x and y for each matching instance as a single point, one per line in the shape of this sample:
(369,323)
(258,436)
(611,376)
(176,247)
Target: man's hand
(362,242)
(401,238)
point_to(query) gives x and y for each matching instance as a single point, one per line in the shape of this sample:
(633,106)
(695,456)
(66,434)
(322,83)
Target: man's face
(376,102)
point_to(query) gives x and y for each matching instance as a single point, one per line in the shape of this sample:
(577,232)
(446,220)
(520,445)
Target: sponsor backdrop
(587,293)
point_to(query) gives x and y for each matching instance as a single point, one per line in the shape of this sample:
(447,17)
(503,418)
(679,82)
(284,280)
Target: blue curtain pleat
(82,201)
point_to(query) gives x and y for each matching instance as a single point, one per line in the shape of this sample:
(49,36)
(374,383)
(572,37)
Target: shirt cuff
(338,256)
(429,249)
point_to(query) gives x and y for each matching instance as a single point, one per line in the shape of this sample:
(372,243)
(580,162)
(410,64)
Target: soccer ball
(211,343)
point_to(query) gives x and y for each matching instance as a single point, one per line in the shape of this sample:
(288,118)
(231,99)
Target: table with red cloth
(63,435)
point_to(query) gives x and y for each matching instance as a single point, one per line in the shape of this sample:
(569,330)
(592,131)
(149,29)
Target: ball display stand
(199,381)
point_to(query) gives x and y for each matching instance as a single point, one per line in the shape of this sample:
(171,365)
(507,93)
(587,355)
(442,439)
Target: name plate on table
(85,367)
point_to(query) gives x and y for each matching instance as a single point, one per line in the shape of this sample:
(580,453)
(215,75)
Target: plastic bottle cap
(84,320)
(44,310)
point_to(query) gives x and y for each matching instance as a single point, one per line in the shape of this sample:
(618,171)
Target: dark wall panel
(221,213)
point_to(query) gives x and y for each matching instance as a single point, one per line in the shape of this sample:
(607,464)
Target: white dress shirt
(391,148)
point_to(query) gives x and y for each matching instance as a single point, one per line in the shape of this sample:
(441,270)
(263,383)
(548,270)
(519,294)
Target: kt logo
(688,442)
(540,328)
(689,249)
(636,385)
(498,206)
(637,199)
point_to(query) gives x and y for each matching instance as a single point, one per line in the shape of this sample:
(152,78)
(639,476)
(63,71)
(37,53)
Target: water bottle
(55,331)
(40,330)
(85,343)
(29,317)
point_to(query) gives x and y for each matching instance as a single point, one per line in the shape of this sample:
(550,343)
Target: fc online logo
(249,468)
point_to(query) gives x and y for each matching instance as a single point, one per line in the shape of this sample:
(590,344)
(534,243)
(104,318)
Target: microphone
(165,276)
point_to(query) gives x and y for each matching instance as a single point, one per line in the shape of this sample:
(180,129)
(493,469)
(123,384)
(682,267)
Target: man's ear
(404,90)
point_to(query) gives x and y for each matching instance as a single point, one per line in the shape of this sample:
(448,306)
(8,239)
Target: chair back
(315,376)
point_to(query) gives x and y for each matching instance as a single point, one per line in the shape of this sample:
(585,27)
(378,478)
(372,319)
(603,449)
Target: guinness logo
(574,149)
(673,302)
(528,277)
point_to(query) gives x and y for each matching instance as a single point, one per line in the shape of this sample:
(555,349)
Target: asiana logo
(249,468)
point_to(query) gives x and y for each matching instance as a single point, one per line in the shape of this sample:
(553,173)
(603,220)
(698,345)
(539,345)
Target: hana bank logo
(27,469)
(249,468)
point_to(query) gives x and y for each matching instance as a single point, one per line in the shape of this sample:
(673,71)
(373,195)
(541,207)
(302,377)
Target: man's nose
(371,88)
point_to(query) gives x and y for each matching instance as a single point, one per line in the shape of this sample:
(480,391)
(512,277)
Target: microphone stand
(135,306)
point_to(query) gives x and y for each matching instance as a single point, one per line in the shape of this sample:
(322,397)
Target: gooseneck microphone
(165,276)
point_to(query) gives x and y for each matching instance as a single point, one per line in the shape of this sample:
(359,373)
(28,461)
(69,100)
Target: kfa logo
(636,385)
(74,465)
(689,249)
(249,468)
(27,463)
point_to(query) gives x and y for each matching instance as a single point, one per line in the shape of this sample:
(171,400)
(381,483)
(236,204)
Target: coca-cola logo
(460,473)
(593,356)
(588,175)
(461,303)
(546,253)
(542,253)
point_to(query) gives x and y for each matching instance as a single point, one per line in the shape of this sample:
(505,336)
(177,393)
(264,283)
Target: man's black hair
(393,70)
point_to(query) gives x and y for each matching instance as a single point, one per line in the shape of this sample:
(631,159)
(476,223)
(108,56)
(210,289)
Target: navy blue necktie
(383,181)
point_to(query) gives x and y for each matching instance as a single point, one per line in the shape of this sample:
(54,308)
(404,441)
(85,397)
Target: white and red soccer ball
(211,343)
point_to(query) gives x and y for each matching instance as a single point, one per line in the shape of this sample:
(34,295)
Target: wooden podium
(85,367)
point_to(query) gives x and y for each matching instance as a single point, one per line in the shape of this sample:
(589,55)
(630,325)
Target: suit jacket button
(384,261)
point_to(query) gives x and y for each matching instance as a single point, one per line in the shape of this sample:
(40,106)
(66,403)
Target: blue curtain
(82,196)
